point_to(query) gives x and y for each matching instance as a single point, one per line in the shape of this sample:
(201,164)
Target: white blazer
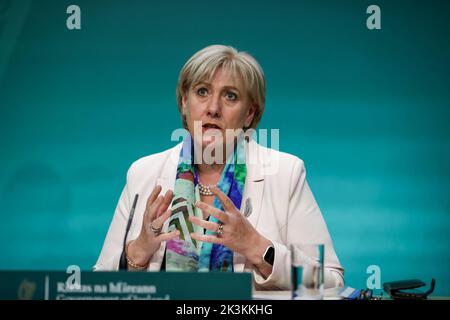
(283,210)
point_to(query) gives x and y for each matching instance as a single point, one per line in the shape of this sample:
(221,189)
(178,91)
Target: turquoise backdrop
(367,110)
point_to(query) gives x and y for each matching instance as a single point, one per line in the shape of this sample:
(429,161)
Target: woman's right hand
(156,213)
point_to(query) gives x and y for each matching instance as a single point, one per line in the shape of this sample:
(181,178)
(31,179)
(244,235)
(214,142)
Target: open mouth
(210,126)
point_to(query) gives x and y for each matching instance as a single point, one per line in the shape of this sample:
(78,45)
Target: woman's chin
(211,144)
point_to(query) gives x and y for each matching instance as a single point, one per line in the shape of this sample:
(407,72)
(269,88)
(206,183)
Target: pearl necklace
(205,190)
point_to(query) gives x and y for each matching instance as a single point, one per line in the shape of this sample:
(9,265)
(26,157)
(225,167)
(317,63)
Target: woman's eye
(231,96)
(202,92)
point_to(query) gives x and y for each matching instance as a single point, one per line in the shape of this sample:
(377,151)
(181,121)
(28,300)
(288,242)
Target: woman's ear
(251,114)
(183,104)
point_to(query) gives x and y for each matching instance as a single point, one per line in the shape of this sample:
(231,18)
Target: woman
(212,204)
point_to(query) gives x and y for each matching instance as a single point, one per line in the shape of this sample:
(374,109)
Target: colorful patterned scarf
(185,253)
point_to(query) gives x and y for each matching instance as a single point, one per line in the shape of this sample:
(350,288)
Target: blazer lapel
(253,192)
(167,182)
(169,172)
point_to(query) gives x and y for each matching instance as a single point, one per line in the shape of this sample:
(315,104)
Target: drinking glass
(307,271)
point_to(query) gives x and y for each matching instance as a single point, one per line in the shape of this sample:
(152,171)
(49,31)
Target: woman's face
(219,105)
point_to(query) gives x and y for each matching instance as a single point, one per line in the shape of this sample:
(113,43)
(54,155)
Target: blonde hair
(204,64)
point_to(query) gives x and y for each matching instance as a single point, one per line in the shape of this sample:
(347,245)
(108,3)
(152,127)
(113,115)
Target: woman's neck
(209,174)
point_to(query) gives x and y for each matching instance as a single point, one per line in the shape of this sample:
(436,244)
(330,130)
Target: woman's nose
(214,106)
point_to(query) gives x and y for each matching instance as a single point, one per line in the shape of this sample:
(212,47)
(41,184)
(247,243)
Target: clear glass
(307,271)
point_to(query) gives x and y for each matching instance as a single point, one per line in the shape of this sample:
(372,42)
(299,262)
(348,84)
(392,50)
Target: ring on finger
(220,230)
(156,230)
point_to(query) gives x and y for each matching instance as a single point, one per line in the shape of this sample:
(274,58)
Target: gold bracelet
(130,262)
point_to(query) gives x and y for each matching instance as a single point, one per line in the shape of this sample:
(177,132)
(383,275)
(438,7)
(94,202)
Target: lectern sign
(42,285)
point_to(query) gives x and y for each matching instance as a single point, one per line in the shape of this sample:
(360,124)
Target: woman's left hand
(237,233)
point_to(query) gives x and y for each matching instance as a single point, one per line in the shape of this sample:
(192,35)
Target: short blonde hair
(204,64)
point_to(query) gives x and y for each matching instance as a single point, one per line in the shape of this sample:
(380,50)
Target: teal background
(368,112)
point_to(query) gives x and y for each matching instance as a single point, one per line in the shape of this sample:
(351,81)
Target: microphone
(123,265)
